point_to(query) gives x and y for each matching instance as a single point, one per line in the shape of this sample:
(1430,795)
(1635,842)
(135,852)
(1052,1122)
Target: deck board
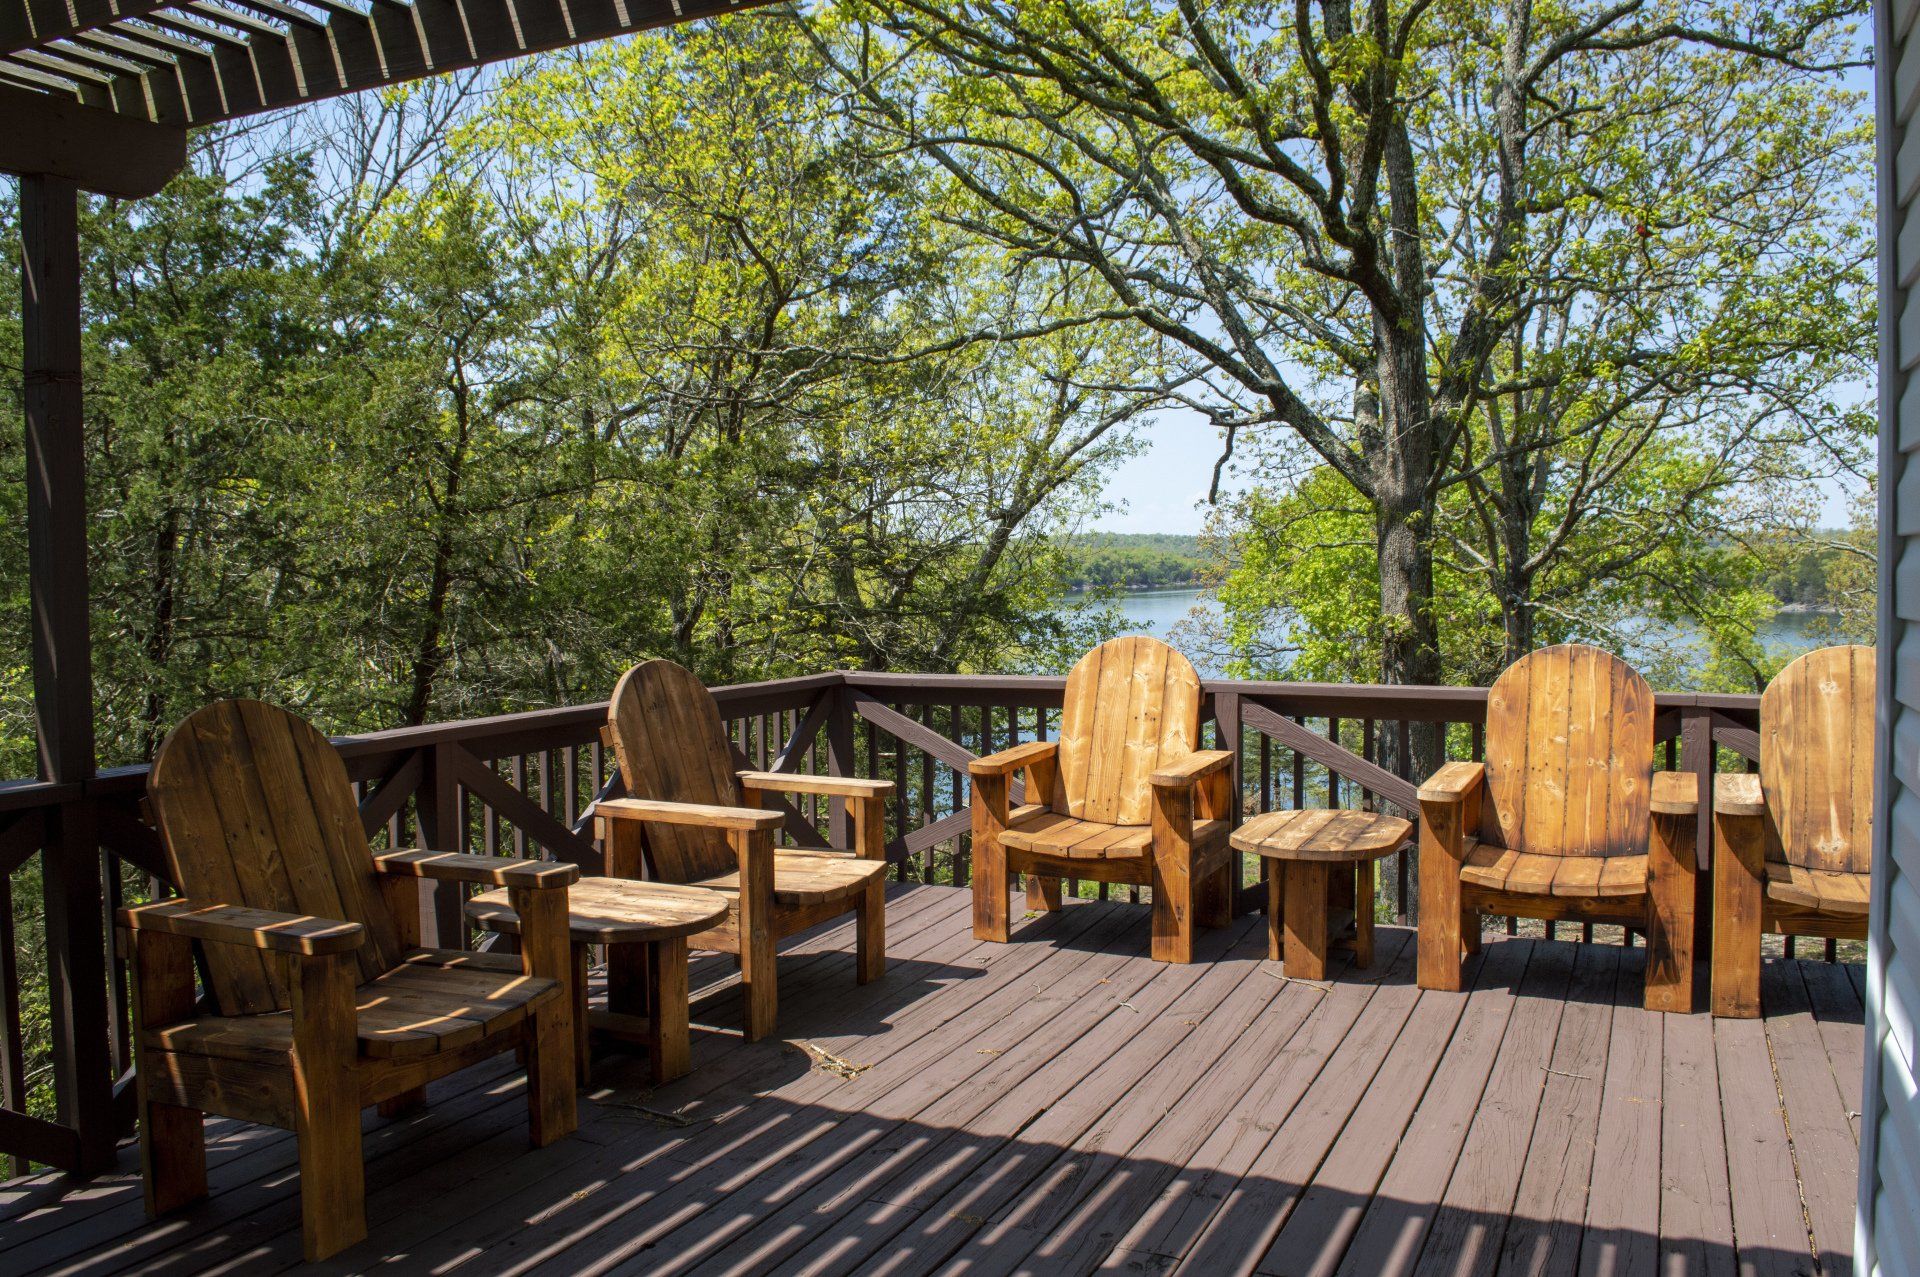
(1064,1105)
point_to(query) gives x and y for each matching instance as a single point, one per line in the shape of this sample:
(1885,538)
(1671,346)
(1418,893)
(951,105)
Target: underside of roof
(185,62)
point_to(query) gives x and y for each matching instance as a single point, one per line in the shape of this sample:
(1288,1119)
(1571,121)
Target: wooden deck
(1064,1105)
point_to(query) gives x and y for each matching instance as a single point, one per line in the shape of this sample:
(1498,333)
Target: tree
(1262,191)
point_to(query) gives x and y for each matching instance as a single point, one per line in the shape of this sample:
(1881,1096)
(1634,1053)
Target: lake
(1157,612)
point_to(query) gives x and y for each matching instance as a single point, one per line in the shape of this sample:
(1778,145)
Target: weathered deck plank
(1063,1104)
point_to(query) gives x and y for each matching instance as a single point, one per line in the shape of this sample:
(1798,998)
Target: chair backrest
(255,809)
(1816,759)
(1132,704)
(1569,755)
(672,747)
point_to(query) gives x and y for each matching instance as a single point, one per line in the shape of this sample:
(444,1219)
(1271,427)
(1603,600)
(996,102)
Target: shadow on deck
(1063,1104)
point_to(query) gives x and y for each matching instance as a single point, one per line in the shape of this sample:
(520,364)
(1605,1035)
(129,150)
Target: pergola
(98,95)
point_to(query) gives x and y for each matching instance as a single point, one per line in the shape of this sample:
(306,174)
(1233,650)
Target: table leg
(1306,919)
(1276,910)
(667,1025)
(1363,915)
(582,1061)
(627,978)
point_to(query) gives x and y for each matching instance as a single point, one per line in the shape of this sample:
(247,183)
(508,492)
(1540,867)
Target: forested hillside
(1133,561)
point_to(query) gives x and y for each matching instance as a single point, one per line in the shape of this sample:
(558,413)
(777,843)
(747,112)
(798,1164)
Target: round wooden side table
(645,926)
(1307,846)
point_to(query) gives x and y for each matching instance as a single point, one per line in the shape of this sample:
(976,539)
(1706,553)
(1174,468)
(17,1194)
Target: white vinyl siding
(1889,1222)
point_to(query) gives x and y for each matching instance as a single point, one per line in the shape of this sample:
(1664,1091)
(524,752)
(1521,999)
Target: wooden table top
(615,911)
(1322,834)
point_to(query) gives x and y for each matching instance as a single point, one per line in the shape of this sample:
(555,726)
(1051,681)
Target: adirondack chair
(691,817)
(1793,844)
(322,1001)
(1566,819)
(1123,796)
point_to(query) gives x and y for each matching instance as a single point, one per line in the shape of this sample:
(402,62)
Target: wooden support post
(1697,756)
(62,657)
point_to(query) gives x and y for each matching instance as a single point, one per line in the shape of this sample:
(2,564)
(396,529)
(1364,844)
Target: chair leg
(1738,865)
(1043,893)
(759,978)
(173,1156)
(1216,897)
(326,1098)
(1670,916)
(1440,906)
(1174,907)
(1470,924)
(870,942)
(173,1141)
(990,887)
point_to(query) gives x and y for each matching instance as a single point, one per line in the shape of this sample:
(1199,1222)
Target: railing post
(840,763)
(77,983)
(1697,756)
(442,919)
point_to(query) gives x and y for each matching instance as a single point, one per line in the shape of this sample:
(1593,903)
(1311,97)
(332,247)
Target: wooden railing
(523,784)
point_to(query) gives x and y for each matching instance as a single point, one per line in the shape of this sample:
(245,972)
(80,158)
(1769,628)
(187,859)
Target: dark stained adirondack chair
(1122,796)
(1566,819)
(322,1000)
(691,816)
(1793,844)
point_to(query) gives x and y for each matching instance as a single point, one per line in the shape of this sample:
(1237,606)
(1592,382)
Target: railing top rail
(533,730)
(938,686)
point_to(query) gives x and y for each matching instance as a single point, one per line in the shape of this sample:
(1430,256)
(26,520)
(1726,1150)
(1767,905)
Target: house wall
(1889,1218)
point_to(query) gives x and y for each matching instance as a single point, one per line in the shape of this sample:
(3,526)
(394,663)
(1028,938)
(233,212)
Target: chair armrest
(1188,771)
(700,814)
(493,871)
(1738,794)
(1675,794)
(299,934)
(831,786)
(1452,783)
(1014,757)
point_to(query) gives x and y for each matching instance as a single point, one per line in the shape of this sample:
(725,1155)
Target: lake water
(1157,612)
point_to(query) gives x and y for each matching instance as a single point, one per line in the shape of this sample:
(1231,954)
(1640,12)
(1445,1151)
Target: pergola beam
(49,135)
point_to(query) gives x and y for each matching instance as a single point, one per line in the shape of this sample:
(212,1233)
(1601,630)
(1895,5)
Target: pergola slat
(146,59)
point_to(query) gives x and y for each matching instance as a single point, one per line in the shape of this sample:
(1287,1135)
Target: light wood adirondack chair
(691,817)
(1565,819)
(1122,796)
(1793,844)
(323,1001)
